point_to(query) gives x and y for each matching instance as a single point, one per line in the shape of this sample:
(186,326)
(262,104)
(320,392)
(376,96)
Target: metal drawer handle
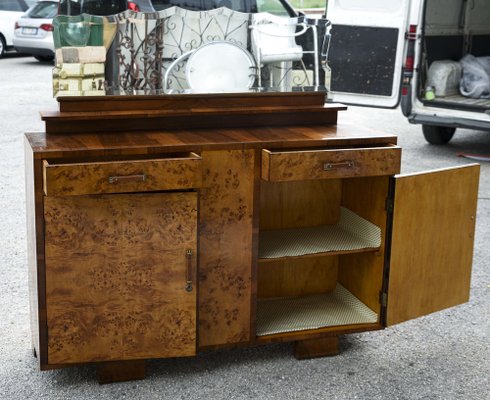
(343,164)
(127,178)
(188,275)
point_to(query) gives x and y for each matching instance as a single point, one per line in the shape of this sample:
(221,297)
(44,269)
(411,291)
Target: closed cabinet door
(120,273)
(432,242)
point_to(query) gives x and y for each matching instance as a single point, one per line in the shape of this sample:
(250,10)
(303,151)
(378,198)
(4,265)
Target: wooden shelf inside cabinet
(352,234)
(292,314)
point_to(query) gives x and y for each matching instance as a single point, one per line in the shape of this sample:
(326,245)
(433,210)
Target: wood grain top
(190,101)
(123,144)
(192,118)
(102,114)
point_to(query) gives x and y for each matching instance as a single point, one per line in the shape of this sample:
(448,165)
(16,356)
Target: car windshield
(44,9)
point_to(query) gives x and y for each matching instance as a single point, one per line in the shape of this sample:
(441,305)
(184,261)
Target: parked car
(10,11)
(34,30)
(410,52)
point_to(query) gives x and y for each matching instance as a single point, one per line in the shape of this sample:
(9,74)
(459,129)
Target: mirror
(178,51)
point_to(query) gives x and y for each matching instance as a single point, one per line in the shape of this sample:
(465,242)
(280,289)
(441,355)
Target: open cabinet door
(367,50)
(432,242)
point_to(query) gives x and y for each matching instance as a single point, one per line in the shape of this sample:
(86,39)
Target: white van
(384,52)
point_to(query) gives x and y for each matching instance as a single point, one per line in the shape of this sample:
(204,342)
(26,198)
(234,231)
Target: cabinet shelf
(292,314)
(351,234)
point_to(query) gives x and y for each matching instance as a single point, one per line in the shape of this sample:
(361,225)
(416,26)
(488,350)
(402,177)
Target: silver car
(33,32)
(10,11)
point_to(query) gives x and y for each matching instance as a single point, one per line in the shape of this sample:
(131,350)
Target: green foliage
(275,7)
(304,4)
(271,6)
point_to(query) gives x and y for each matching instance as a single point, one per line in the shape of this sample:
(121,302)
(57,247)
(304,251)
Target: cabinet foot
(120,371)
(310,348)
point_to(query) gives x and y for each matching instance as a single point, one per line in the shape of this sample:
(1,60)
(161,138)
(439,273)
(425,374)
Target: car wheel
(437,134)
(2,46)
(44,58)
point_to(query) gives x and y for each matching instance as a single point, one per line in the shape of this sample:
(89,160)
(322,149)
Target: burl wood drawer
(293,165)
(70,179)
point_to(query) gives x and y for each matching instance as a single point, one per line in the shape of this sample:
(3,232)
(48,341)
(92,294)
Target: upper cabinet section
(122,114)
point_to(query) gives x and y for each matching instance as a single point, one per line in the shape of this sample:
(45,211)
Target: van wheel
(437,134)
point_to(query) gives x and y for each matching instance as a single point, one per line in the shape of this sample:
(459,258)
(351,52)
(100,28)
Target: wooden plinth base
(327,346)
(120,371)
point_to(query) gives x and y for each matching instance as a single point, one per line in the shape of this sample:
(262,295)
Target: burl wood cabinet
(160,227)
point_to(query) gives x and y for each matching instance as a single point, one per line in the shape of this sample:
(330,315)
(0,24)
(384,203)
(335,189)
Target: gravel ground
(442,356)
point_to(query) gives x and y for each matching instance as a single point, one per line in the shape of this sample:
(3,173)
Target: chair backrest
(274,38)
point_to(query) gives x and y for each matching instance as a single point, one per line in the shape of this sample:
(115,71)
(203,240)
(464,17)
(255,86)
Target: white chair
(274,40)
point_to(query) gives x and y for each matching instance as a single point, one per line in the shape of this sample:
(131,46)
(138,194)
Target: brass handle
(343,164)
(188,275)
(127,178)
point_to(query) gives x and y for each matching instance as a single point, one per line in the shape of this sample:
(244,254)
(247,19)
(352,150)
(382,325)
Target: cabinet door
(117,268)
(432,242)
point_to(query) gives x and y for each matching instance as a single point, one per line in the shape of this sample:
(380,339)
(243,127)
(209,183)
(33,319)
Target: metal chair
(274,41)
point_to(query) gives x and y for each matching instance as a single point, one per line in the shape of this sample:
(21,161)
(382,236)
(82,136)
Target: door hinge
(389,205)
(383,299)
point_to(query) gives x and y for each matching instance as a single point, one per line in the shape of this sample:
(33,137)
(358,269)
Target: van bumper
(448,121)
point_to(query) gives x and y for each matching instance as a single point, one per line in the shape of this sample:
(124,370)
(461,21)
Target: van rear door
(367,50)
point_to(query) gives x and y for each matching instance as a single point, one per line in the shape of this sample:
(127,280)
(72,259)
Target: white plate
(220,67)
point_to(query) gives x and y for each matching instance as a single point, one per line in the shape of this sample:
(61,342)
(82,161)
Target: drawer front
(333,163)
(122,176)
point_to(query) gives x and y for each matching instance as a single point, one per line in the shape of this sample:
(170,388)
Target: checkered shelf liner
(291,314)
(352,232)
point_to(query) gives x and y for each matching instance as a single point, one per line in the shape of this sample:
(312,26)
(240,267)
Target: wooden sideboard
(149,237)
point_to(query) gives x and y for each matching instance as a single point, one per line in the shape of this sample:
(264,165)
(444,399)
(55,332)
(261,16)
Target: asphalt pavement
(442,356)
